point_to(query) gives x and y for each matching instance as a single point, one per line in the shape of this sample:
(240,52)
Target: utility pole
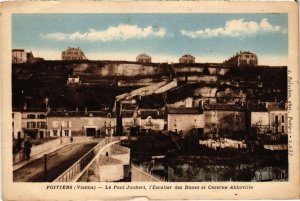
(45,167)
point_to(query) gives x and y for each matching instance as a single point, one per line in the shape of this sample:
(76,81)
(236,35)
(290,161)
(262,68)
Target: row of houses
(207,119)
(245,58)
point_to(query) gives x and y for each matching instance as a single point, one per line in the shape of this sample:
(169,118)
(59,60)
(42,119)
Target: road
(57,162)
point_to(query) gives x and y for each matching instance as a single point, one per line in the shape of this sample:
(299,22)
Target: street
(57,162)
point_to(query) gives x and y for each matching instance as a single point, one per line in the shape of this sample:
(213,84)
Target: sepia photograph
(149,97)
(120,100)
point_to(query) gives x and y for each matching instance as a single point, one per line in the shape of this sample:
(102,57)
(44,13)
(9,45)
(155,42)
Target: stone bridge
(73,173)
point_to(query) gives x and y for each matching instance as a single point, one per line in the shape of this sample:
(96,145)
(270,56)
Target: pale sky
(165,37)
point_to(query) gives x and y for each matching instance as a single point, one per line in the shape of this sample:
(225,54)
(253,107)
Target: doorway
(41,134)
(32,134)
(91,132)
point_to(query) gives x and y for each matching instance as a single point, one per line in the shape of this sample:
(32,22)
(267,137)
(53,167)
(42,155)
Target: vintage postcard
(153,100)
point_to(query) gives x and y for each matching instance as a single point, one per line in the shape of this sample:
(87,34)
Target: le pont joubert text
(138,187)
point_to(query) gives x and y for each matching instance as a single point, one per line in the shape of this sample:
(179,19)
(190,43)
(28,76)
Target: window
(66,132)
(13,115)
(31,116)
(31,124)
(41,116)
(41,124)
(54,132)
(276,119)
(282,129)
(282,119)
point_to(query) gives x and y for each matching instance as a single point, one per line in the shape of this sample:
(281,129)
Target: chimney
(25,106)
(46,101)
(267,105)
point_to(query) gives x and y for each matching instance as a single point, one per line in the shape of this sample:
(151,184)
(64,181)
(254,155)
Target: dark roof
(18,50)
(247,52)
(73,76)
(81,114)
(187,55)
(29,110)
(144,113)
(185,110)
(224,107)
(258,109)
(275,106)
(143,55)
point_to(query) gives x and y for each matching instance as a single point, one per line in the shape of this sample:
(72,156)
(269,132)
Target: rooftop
(188,55)
(80,114)
(258,108)
(154,113)
(29,110)
(185,110)
(143,55)
(18,50)
(224,107)
(273,106)
(73,76)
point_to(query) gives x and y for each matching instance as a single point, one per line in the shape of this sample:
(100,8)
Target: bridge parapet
(76,170)
(140,174)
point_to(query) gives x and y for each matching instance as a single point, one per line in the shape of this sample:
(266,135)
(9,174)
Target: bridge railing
(149,174)
(83,162)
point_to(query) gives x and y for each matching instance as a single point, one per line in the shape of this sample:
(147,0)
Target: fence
(84,162)
(35,150)
(141,174)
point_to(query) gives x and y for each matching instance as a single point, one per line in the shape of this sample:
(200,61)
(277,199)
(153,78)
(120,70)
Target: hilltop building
(143,58)
(242,59)
(187,59)
(73,54)
(19,56)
